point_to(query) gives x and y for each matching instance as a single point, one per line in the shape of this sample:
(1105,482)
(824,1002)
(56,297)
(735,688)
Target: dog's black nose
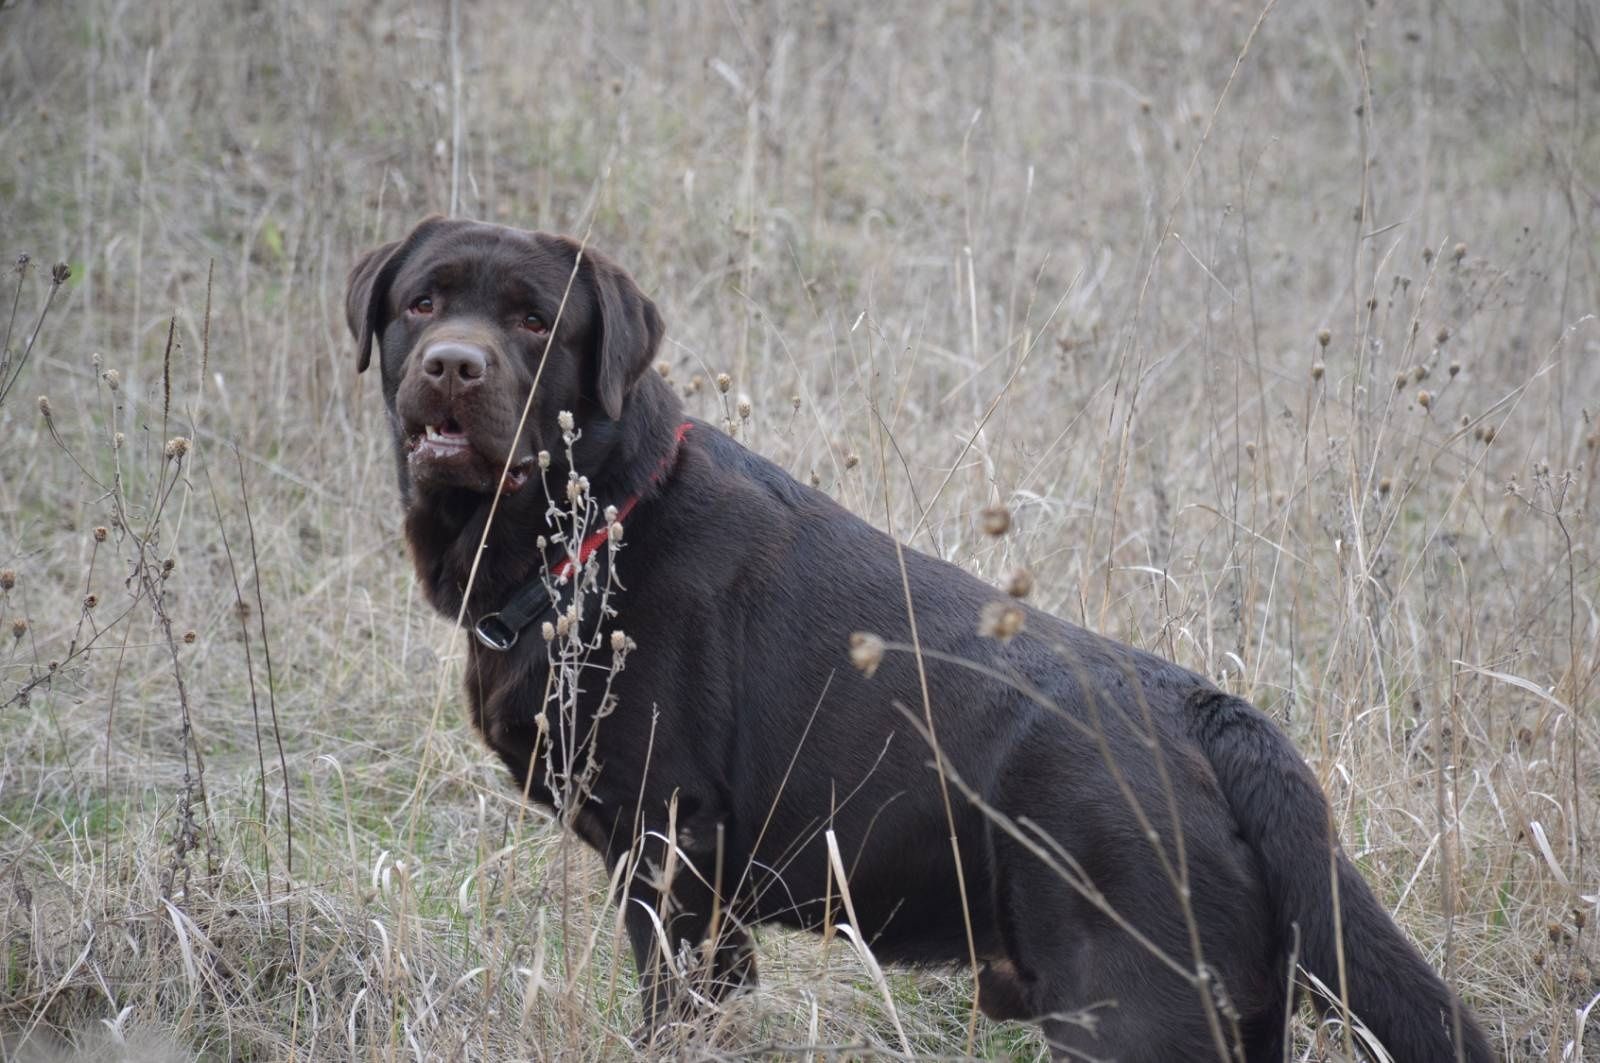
(448,358)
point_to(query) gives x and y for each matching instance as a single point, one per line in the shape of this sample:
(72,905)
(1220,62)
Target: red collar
(595,539)
(499,631)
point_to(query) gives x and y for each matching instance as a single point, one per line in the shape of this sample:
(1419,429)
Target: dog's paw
(1003,992)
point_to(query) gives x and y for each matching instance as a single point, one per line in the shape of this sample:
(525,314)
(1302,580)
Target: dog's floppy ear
(358,299)
(367,294)
(630,331)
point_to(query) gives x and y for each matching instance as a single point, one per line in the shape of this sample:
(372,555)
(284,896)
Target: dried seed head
(563,624)
(1324,337)
(1250,450)
(1455,367)
(1488,433)
(8,578)
(564,419)
(1419,372)
(866,652)
(1460,252)
(1000,620)
(1424,399)
(100,533)
(548,631)
(697,383)
(91,600)
(664,369)
(167,566)
(1443,334)
(614,530)
(189,637)
(1020,583)
(744,407)
(794,400)
(619,641)
(44,405)
(177,447)
(59,273)
(544,459)
(576,488)
(117,441)
(1317,370)
(1401,380)
(814,479)
(851,460)
(611,514)
(113,378)
(996,519)
(724,382)
(1427,254)
(19,628)
(1385,485)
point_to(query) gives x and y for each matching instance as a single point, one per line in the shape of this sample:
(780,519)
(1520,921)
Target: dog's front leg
(689,949)
(658,985)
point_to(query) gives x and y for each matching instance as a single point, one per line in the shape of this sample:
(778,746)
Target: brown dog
(1133,843)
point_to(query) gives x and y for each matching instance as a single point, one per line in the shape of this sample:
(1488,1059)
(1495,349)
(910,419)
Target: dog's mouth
(446,436)
(442,451)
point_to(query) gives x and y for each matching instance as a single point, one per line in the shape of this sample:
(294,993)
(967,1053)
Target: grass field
(1273,329)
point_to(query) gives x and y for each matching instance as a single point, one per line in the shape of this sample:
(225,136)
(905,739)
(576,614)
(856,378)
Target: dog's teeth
(433,433)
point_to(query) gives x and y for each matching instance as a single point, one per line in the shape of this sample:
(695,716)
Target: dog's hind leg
(1098,991)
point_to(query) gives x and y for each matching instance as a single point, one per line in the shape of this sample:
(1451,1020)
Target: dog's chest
(554,723)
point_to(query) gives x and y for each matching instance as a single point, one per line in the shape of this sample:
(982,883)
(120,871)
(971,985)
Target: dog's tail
(1282,814)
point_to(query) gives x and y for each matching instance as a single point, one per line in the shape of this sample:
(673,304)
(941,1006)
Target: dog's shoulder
(735,468)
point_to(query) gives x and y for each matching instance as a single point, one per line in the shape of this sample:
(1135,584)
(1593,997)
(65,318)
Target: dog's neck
(621,460)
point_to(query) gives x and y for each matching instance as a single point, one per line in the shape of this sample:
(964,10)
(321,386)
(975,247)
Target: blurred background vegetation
(1273,328)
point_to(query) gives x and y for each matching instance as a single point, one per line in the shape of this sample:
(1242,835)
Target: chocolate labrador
(1131,856)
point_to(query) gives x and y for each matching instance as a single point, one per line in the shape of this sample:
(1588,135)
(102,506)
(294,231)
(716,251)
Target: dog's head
(465,317)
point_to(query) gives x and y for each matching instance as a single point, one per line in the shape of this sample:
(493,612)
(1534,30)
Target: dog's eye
(535,324)
(423,306)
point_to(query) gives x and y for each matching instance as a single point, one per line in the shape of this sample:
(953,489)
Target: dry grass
(1199,370)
